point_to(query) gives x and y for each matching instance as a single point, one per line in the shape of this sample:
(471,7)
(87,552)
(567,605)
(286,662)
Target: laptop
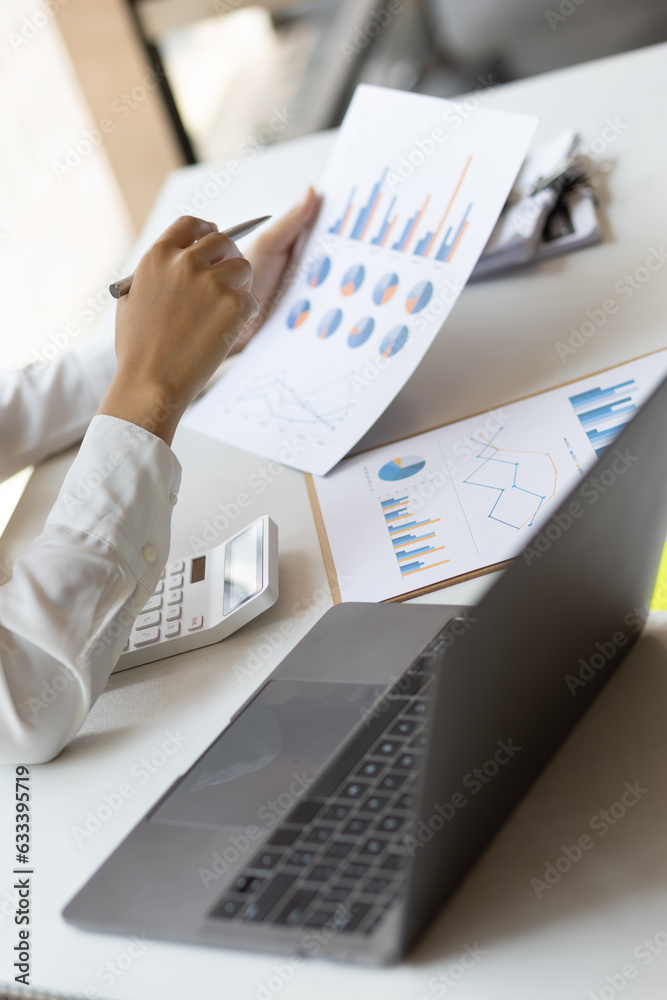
(352,792)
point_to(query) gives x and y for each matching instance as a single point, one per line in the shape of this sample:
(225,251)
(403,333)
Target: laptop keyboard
(338,858)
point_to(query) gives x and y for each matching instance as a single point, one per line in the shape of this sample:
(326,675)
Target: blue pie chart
(329,323)
(385,288)
(318,271)
(298,314)
(419,297)
(401,468)
(394,341)
(352,279)
(361,331)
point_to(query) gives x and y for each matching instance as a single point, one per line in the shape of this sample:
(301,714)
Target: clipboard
(325,545)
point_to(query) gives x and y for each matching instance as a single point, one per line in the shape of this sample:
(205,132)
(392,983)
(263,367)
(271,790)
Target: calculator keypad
(161,616)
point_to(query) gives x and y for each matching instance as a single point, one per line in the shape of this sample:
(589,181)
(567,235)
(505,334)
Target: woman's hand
(270,256)
(189,302)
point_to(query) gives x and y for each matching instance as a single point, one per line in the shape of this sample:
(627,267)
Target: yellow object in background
(659,599)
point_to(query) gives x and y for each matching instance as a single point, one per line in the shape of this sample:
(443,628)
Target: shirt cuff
(121,488)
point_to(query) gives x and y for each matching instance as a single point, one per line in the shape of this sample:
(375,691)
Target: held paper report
(412,191)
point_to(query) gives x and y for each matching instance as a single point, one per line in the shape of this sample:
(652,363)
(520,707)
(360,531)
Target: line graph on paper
(319,409)
(514,485)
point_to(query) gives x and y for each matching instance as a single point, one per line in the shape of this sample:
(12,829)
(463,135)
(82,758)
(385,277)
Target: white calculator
(202,599)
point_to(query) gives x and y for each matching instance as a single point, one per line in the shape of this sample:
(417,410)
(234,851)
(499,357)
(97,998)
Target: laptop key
(339,849)
(319,918)
(392,781)
(375,803)
(355,871)
(390,824)
(405,727)
(374,846)
(284,837)
(271,896)
(406,801)
(247,884)
(229,908)
(408,761)
(350,920)
(304,812)
(356,826)
(377,886)
(319,835)
(337,895)
(386,748)
(371,768)
(299,859)
(354,790)
(267,860)
(339,811)
(297,906)
(393,862)
(322,873)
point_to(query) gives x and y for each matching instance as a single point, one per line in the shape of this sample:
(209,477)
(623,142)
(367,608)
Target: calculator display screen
(243,568)
(198,569)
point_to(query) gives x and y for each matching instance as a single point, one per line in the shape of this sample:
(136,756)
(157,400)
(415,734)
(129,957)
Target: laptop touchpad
(258,767)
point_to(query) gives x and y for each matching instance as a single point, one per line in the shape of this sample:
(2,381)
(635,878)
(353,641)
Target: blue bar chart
(414,540)
(359,227)
(603,413)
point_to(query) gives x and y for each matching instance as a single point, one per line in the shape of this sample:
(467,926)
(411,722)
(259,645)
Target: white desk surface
(499,344)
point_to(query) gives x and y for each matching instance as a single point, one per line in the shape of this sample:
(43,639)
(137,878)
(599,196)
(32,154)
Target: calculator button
(172,628)
(195,622)
(160,586)
(148,635)
(174,597)
(153,603)
(146,621)
(177,566)
(176,581)
(173,612)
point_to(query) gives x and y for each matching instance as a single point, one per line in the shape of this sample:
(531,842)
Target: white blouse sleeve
(47,406)
(67,611)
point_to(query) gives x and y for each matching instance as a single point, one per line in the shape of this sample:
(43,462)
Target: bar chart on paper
(407,210)
(468,496)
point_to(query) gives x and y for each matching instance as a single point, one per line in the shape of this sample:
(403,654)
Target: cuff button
(173,498)
(149,553)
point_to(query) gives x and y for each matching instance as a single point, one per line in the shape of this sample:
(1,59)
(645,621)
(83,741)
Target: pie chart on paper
(298,314)
(394,341)
(419,297)
(401,468)
(352,279)
(329,323)
(361,331)
(318,271)
(385,289)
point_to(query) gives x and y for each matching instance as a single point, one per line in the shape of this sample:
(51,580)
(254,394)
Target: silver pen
(123,285)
